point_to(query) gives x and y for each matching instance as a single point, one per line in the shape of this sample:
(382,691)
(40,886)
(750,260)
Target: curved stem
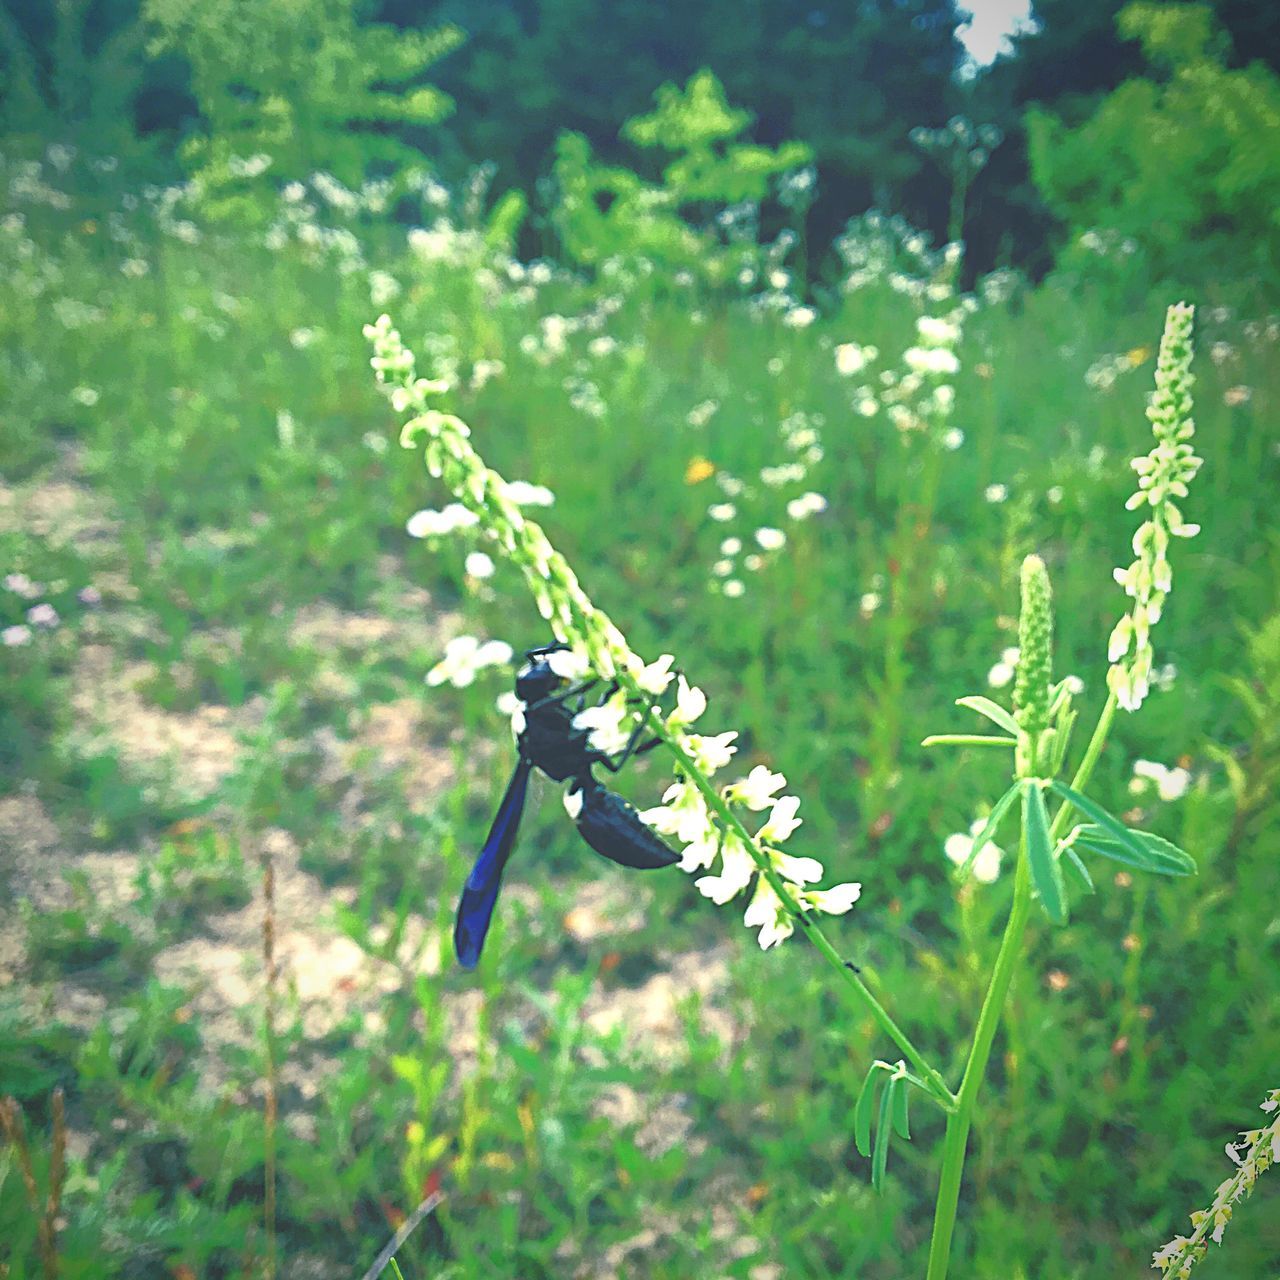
(852,986)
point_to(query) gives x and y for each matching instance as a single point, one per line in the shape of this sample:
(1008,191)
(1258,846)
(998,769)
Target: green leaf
(993,711)
(1046,875)
(1120,834)
(901,1102)
(967,740)
(1078,867)
(1157,855)
(884,1130)
(988,832)
(862,1112)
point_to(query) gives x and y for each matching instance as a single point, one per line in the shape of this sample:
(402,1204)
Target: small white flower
(769,914)
(852,358)
(15,636)
(1170,784)
(736,869)
(799,317)
(730,546)
(797,870)
(569,664)
(936,332)
(782,821)
(42,615)
(683,814)
(932,360)
(996,492)
(733,588)
(524,494)
(436,524)
(608,726)
(771,539)
(952,439)
(869,603)
(464,658)
(86,396)
(713,752)
(479,565)
(834,901)
(986,866)
(757,790)
(722,511)
(1000,675)
(655,677)
(722,568)
(691,702)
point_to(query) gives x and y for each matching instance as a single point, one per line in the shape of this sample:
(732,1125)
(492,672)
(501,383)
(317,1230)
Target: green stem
(960,1120)
(854,990)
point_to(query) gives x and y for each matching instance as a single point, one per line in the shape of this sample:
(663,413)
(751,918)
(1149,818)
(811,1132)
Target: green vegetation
(234,820)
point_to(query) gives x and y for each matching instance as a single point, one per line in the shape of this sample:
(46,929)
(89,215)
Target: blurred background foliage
(672,260)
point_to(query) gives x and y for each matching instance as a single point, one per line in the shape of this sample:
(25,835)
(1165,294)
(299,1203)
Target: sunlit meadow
(257,709)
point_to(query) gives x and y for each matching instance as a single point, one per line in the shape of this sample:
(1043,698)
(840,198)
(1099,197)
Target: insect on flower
(549,739)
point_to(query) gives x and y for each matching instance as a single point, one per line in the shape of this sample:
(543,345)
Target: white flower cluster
(801,437)
(1253,1155)
(1170,784)
(986,866)
(702,819)
(465,657)
(1163,475)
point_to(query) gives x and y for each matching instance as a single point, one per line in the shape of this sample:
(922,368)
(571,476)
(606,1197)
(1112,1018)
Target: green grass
(626,1084)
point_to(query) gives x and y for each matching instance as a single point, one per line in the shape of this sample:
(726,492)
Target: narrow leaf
(992,710)
(1077,867)
(988,833)
(1114,827)
(862,1113)
(967,740)
(901,1103)
(1046,875)
(884,1133)
(1158,856)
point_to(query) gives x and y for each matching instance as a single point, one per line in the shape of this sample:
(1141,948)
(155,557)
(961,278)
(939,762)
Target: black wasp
(550,742)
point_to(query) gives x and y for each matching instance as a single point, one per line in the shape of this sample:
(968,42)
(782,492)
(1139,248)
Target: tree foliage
(1182,162)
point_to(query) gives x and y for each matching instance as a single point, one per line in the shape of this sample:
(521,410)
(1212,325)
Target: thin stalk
(960,1119)
(851,985)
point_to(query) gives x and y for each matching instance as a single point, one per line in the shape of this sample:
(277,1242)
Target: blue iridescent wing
(475,909)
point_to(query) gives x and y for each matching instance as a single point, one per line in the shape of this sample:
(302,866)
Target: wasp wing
(480,893)
(612,827)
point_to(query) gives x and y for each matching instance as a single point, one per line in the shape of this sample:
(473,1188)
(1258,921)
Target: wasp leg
(634,746)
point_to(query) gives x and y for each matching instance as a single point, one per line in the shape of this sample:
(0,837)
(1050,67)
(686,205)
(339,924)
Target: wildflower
(464,658)
(43,615)
(15,636)
(90,596)
(996,493)
(85,396)
(656,676)
(756,790)
(852,358)
(436,524)
(799,317)
(479,565)
(869,603)
(301,338)
(952,438)
(937,332)
(733,588)
(1035,648)
(608,726)
(931,360)
(22,586)
(986,866)
(524,494)
(691,702)
(771,539)
(1163,475)
(753,563)
(806,505)
(711,752)
(730,546)
(722,511)
(698,470)
(1170,784)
